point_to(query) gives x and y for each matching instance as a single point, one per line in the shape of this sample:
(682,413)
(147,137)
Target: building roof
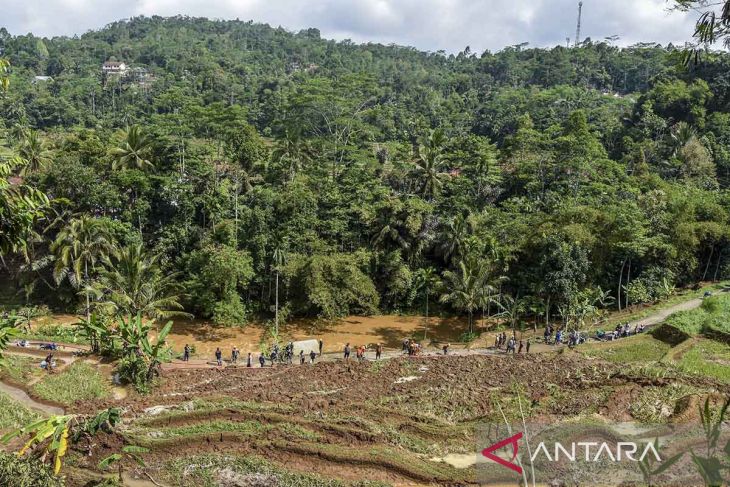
(113,64)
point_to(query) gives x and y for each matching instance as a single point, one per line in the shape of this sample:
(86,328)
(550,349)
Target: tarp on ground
(307,346)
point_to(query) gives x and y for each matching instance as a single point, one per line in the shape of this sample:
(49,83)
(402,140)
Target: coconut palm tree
(430,164)
(134,150)
(33,152)
(454,236)
(428,281)
(465,287)
(133,283)
(78,247)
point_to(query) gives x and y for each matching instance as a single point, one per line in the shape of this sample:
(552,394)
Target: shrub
(133,370)
(25,472)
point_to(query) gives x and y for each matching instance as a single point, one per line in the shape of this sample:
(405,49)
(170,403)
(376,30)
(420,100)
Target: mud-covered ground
(397,421)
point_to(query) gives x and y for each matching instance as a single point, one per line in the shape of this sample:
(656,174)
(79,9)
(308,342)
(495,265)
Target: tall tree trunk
(620,277)
(709,259)
(717,267)
(276,309)
(425,331)
(86,278)
(628,281)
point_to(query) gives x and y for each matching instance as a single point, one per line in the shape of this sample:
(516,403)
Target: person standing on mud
(248,360)
(446,348)
(219,356)
(321,344)
(301,357)
(262,360)
(312,356)
(378,351)
(521,346)
(234,355)
(347,352)
(527,349)
(186,353)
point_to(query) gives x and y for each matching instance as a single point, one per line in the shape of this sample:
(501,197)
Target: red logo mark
(488,452)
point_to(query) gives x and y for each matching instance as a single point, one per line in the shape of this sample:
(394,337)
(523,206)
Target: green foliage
(13,414)
(330,286)
(133,283)
(78,382)
(219,274)
(141,357)
(712,316)
(565,170)
(50,438)
(26,472)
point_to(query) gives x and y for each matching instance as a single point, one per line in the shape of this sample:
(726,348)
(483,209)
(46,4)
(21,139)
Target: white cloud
(426,24)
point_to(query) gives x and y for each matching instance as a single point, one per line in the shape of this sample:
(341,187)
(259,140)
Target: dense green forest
(232,159)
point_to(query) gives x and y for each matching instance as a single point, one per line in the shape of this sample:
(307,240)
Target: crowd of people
(621,331)
(286,355)
(512,344)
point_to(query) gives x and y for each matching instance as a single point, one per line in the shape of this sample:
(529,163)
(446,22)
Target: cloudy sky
(427,24)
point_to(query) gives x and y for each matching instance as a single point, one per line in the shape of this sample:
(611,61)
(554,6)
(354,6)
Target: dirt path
(649,321)
(19,395)
(661,315)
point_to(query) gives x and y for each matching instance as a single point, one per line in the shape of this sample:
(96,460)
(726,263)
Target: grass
(642,348)
(54,333)
(213,470)
(79,382)
(680,297)
(713,315)
(656,404)
(13,414)
(707,358)
(247,428)
(20,368)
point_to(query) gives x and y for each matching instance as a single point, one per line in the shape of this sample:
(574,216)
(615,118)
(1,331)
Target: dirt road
(649,321)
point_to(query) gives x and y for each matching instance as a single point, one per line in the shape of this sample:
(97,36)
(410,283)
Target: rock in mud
(229,478)
(155,410)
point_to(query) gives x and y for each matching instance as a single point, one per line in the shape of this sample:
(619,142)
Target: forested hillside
(231,156)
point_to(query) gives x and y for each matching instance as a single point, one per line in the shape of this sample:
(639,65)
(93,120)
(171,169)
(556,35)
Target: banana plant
(131,452)
(49,437)
(135,335)
(712,466)
(95,330)
(8,330)
(648,468)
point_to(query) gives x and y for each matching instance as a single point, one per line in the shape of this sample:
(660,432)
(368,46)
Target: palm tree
(78,246)
(454,237)
(294,149)
(133,283)
(134,150)
(512,309)
(465,288)
(4,78)
(430,163)
(427,280)
(33,152)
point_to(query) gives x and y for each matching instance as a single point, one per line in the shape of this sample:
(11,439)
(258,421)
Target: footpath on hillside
(653,319)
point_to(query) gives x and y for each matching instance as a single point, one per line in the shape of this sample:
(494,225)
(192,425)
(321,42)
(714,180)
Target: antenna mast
(577,28)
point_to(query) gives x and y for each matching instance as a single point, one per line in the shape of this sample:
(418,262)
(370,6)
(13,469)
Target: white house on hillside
(114,67)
